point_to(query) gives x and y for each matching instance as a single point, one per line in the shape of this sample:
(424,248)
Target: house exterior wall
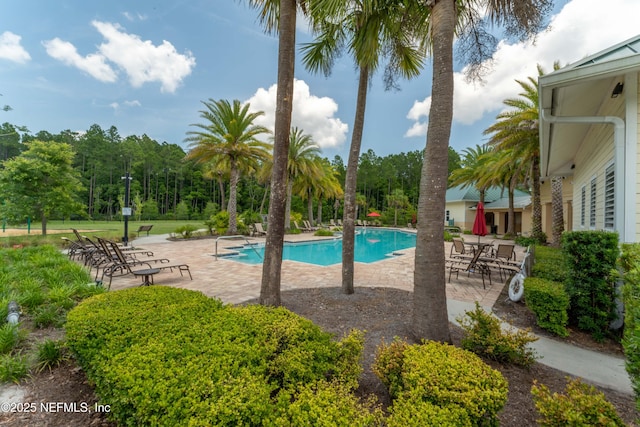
(567,205)
(636,184)
(461,214)
(595,154)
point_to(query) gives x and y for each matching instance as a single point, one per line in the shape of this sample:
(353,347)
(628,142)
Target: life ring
(516,287)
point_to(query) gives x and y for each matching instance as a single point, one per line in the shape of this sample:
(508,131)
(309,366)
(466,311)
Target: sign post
(126,210)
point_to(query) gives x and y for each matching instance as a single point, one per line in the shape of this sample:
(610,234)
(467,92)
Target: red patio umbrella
(373,214)
(479,224)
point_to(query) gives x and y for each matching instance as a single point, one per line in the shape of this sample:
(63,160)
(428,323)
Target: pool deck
(235,282)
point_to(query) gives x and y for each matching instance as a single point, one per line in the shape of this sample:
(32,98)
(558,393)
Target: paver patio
(235,282)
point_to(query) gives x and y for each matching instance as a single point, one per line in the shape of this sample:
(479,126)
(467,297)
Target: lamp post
(126,210)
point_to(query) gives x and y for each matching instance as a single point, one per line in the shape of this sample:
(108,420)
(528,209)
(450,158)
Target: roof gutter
(619,157)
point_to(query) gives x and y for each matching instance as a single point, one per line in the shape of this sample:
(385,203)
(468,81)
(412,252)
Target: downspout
(619,159)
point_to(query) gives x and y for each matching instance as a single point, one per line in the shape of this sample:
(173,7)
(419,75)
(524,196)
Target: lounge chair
(258,230)
(308,225)
(458,250)
(474,265)
(295,223)
(123,266)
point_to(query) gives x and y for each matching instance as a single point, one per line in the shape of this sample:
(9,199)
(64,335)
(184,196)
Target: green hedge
(580,405)
(550,263)
(166,356)
(592,257)
(630,263)
(454,380)
(550,302)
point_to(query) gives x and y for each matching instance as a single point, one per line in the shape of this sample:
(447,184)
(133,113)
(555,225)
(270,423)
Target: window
(609,198)
(583,205)
(592,204)
(447,215)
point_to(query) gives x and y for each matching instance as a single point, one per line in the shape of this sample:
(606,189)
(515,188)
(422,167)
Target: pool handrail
(235,237)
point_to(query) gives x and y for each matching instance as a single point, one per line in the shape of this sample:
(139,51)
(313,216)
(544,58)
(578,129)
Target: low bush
(50,354)
(13,368)
(168,354)
(186,231)
(485,336)
(448,377)
(550,263)
(328,404)
(592,258)
(550,302)
(581,405)
(323,232)
(630,265)
(412,411)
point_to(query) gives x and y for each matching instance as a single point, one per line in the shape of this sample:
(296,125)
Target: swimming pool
(371,245)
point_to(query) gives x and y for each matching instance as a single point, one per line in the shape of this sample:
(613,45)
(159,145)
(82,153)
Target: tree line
(167,184)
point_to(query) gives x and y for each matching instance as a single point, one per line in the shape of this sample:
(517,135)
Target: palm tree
(323,186)
(397,200)
(228,137)
(517,130)
(303,162)
(370,29)
(278,16)
(473,170)
(557,220)
(430,318)
(361,202)
(507,171)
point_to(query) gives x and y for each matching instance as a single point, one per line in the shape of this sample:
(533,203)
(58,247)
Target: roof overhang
(579,91)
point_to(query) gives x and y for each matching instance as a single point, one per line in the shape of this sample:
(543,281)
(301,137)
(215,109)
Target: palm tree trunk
(223,206)
(233,199)
(272,265)
(430,316)
(349,227)
(557,221)
(536,220)
(310,205)
(287,210)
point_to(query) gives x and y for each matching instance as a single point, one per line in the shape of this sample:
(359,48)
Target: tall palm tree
(507,171)
(397,200)
(557,220)
(303,162)
(521,17)
(228,137)
(278,16)
(473,169)
(370,30)
(517,130)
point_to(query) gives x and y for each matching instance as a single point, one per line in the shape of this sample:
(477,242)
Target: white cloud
(11,49)
(134,16)
(141,60)
(94,64)
(581,28)
(312,114)
(116,106)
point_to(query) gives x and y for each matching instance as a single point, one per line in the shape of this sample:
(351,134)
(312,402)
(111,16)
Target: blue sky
(145,67)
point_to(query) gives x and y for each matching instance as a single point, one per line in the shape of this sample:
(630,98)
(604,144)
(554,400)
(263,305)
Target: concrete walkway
(234,282)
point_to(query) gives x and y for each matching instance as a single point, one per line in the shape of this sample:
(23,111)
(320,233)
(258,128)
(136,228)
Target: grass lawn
(106,229)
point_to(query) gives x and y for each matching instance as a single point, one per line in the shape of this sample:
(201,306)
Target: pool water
(371,245)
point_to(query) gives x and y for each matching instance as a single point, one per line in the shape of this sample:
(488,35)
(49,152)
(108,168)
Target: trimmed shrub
(186,231)
(443,375)
(592,258)
(630,263)
(172,356)
(485,336)
(323,232)
(329,404)
(550,302)
(582,405)
(412,411)
(550,263)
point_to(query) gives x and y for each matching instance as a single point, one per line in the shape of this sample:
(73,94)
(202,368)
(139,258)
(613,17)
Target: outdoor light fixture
(617,90)
(13,313)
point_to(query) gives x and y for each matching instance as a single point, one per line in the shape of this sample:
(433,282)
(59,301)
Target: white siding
(594,155)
